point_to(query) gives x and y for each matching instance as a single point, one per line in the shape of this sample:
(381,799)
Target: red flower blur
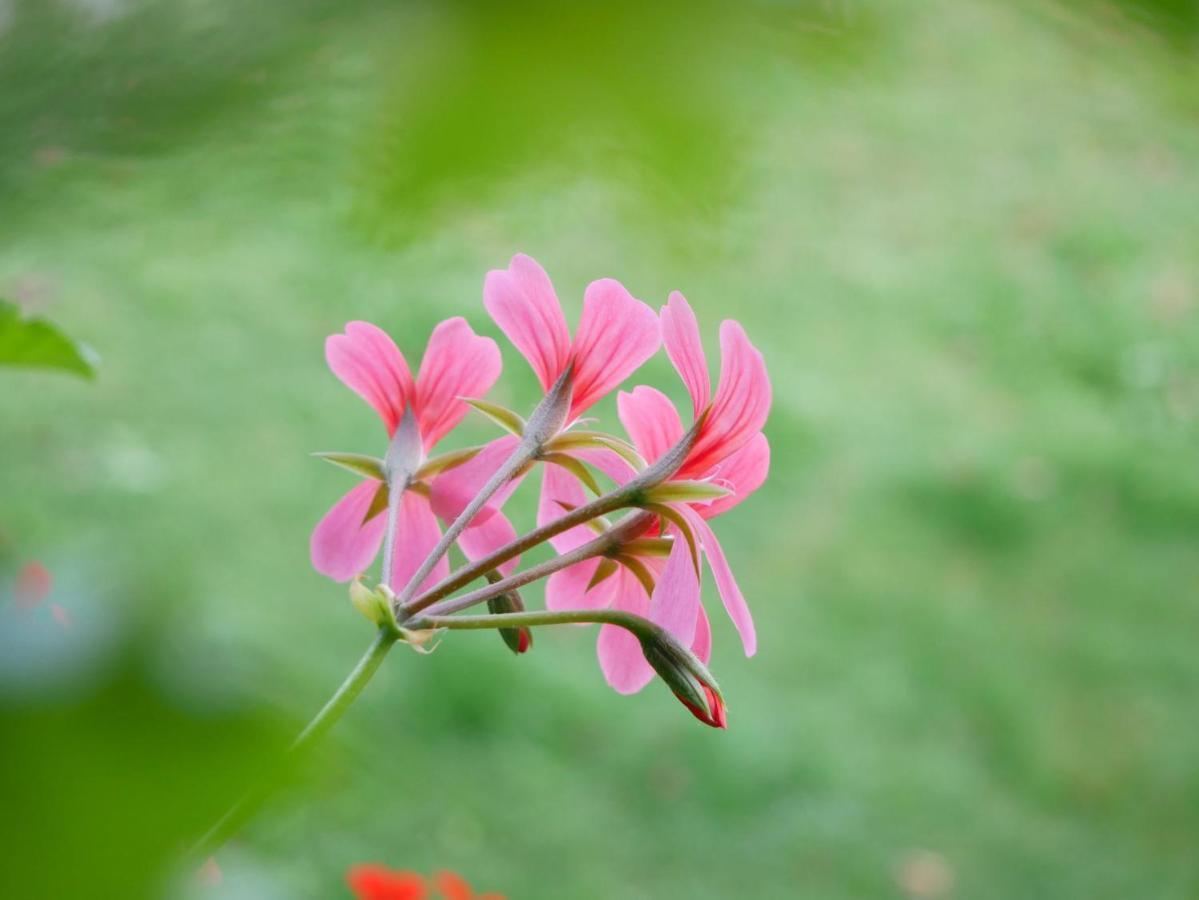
(375,882)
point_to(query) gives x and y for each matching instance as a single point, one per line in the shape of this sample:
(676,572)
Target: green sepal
(576,468)
(378,503)
(685,492)
(678,521)
(605,570)
(648,547)
(598,439)
(445,461)
(358,463)
(639,570)
(501,415)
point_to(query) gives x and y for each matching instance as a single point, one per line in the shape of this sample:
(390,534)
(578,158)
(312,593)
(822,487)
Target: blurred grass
(963,234)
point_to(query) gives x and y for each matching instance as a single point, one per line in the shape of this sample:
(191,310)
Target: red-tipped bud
(686,676)
(711,713)
(519,640)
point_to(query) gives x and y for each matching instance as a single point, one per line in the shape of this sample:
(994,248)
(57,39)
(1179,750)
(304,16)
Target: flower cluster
(639,576)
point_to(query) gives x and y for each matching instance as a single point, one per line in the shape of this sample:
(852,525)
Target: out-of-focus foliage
(962,234)
(40,344)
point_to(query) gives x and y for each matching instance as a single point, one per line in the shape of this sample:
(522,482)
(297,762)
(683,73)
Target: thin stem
(523,454)
(636,624)
(395,496)
(241,811)
(618,499)
(604,543)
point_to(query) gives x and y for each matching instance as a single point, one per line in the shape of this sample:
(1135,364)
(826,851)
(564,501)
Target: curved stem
(241,811)
(634,623)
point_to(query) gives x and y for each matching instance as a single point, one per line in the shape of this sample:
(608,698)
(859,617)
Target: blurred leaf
(37,343)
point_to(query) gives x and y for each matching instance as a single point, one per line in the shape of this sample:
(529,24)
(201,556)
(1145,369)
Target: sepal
(507,419)
(685,492)
(358,463)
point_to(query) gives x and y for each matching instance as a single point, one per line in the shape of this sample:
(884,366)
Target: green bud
(519,640)
(686,676)
(375,605)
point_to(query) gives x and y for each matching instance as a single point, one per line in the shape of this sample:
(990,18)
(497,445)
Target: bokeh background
(964,235)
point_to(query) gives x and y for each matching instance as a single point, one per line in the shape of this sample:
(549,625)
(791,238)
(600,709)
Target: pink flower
(616,334)
(729,450)
(457,363)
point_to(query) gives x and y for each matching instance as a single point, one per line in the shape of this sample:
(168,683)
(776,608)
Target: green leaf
(358,463)
(501,415)
(34,342)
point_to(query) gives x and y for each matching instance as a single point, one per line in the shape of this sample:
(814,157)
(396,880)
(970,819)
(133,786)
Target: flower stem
(636,624)
(241,811)
(623,531)
(632,493)
(522,455)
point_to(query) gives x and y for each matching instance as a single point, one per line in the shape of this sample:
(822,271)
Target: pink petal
(650,420)
(342,546)
(522,301)
(680,335)
(742,473)
(702,645)
(369,363)
(676,594)
(559,487)
(567,588)
(620,655)
(481,540)
(617,333)
(742,402)
(452,491)
(417,533)
(726,584)
(457,363)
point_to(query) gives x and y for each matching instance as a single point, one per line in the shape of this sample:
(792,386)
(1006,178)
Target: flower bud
(686,676)
(519,640)
(375,604)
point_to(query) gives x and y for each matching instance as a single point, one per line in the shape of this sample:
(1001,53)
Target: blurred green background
(964,235)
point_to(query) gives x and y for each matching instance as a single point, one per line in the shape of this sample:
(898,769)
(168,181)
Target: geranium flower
(617,333)
(457,363)
(729,450)
(375,882)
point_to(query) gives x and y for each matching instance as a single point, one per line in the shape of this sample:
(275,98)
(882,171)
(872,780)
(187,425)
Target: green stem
(241,811)
(636,624)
